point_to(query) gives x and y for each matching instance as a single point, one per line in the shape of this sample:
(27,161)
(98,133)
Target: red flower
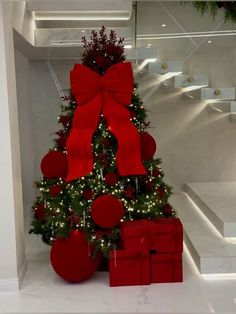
(55,190)
(100,61)
(167,209)
(61,142)
(64,120)
(111,178)
(88,193)
(40,212)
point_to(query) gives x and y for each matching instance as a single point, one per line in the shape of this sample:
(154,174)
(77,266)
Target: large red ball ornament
(107,211)
(148,146)
(72,258)
(54,165)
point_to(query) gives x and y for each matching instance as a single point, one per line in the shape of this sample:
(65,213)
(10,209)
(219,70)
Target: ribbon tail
(128,157)
(79,149)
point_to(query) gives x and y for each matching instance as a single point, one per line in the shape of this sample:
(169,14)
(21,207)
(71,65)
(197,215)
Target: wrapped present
(129,269)
(161,235)
(135,235)
(166,235)
(166,267)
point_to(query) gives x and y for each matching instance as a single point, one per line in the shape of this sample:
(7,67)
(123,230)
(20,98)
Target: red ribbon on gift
(109,94)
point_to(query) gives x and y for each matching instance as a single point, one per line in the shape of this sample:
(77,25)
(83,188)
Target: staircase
(208,214)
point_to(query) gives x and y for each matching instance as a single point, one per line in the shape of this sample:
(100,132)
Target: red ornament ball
(55,190)
(156,173)
(54,165)
(40,212)
(111,178)
(148,146)
(129,192)
(88,193)
(107,211)
(72,258)
(160,192)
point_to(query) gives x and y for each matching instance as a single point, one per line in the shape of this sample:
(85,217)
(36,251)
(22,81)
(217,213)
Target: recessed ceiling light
(163,25)
(209,41)
(82,31)
(128,46)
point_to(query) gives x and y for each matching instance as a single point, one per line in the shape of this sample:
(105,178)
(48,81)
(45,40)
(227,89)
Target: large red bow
(109,94)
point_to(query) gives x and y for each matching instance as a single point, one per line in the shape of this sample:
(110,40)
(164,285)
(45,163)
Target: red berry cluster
(102,51)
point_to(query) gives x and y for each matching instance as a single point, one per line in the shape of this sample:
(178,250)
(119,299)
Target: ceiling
(59,26)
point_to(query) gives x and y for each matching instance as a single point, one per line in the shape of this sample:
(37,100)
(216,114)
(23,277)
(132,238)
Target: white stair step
(217,200)
(211,253)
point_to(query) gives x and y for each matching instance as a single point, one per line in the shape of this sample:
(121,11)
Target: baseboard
(13,284)
(8,285)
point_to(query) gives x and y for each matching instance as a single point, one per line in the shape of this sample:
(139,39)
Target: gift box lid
(127,254)
(134,228)
(165,225)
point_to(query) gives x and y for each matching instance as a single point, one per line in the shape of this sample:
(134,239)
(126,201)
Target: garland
(213,7)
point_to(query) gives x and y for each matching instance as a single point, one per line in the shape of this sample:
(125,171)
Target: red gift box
(129,269)
(162,235)
(135,235)
(166,235)
(166,267)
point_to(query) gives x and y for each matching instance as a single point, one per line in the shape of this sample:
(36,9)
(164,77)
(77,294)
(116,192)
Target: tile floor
(43,292)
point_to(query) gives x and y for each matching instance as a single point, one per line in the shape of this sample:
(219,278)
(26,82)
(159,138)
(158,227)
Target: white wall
(12,257)
(26,127)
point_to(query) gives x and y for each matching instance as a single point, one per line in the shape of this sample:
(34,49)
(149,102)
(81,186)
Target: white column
(12,251)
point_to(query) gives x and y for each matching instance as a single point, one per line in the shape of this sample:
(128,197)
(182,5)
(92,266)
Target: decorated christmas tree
(101,169)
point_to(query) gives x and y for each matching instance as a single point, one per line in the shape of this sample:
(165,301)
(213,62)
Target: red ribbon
(109,94)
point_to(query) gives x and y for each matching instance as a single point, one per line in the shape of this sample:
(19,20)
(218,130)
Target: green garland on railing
(213,7)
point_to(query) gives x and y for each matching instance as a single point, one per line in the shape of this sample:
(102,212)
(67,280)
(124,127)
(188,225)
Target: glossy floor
(44,292)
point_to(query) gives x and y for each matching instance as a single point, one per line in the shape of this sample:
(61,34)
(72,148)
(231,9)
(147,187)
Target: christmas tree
(101,170)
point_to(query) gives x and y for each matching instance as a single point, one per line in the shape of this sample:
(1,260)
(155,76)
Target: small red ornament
(107,211)
(72,258)
(148,146)
(74,220)
(160,192)
(149,185)
(55,190)
(129,192)
(167,209)
(88,193)
(40,212)
(111,178)
(106,143)
(54,165)
(155,173)
(65,121)
(103,159)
